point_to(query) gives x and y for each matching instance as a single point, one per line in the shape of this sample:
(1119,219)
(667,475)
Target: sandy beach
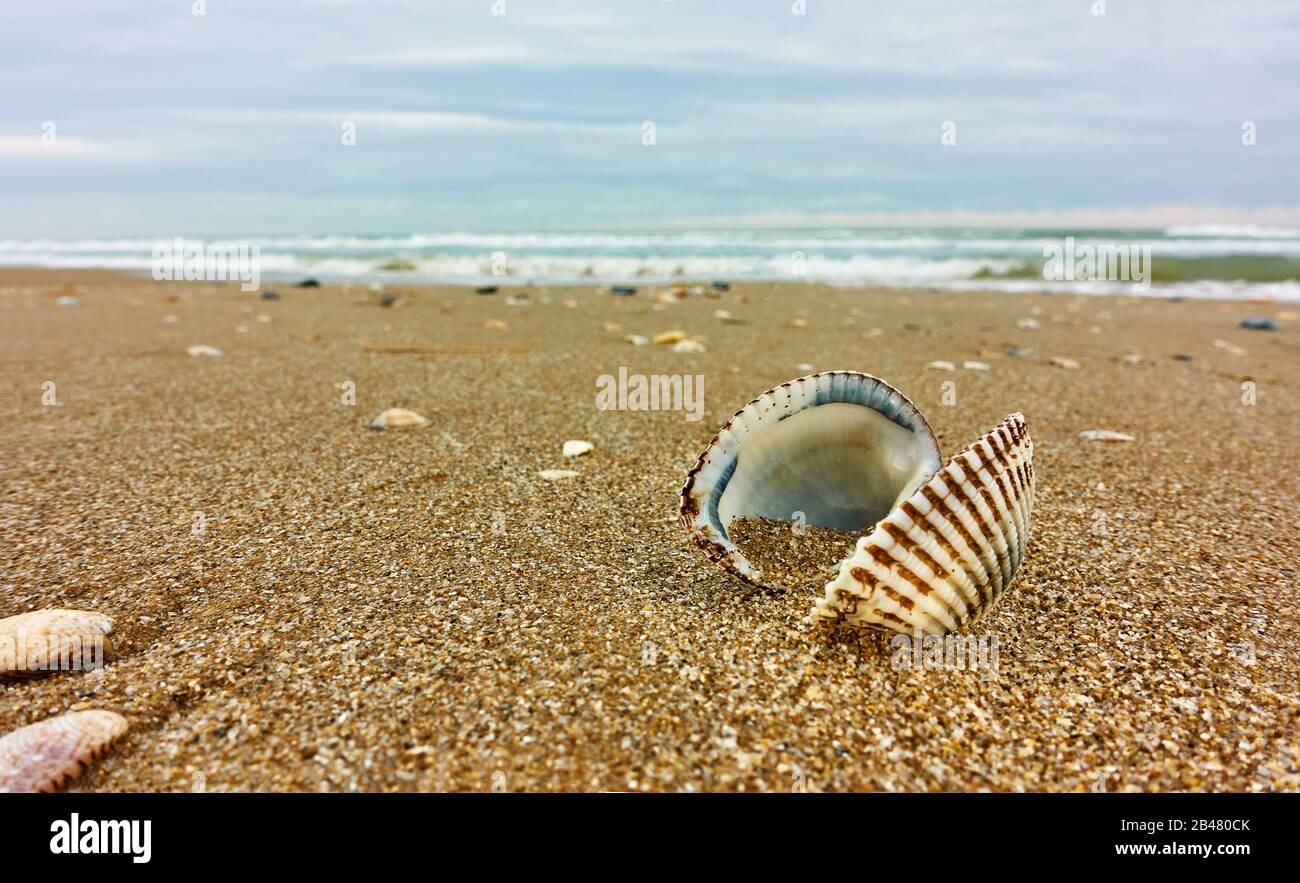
(304,603)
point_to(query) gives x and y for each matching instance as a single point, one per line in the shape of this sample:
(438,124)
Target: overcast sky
(170,123)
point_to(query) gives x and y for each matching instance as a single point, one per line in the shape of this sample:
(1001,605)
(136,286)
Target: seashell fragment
(688,346)
(637,339)
(47,755)
(202,349)
(847,451)
(941,366)
(667,337)
(1027,324)
(1104,435)
(1229,346)
(557,474)
(45,641)
(975,366)
(1063,362)
(398,418)
(576,448)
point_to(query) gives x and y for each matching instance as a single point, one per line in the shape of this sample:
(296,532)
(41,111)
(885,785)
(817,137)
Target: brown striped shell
(943,557)
(46,756)
(45,641)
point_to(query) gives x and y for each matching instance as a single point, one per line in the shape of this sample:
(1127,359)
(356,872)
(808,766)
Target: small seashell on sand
(721,314)
(975,366)
(577,447)
(805,366)
(494,325)
(637,339)
(667,337)
(1132,358)
(1027,324)
(688,346)
(941,366)
(398,418)
(45,641)
(47,755)
(798,323)
(202,349)
(1104,435)
(1229,346)
(557,474)
(1062,362)
(68,301)
(846,451)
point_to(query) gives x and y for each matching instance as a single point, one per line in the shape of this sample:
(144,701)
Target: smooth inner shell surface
(842,466)
(837,449)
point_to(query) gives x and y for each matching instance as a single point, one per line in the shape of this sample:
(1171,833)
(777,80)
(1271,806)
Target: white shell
(557,474)
(45,641)
(203,349)
(947,553)
(1104,435)
(576,448)
(840,448)
(47,755)
(398,418)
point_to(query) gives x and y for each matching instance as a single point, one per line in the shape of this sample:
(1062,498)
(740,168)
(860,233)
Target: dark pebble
(1259,323)
(309,283)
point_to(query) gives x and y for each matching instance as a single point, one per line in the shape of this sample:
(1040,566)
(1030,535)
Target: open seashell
(47,755)
(850,452)
(45,641)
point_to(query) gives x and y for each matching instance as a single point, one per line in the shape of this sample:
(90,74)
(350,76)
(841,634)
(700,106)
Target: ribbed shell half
(944,543)
(47,755)
(943,557)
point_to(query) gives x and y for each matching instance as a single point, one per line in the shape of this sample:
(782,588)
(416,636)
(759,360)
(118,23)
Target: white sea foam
(963,259)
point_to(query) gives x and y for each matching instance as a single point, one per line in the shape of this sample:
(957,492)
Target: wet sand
(303,603)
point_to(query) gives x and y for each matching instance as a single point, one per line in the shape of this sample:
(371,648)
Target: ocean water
(1215,261)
